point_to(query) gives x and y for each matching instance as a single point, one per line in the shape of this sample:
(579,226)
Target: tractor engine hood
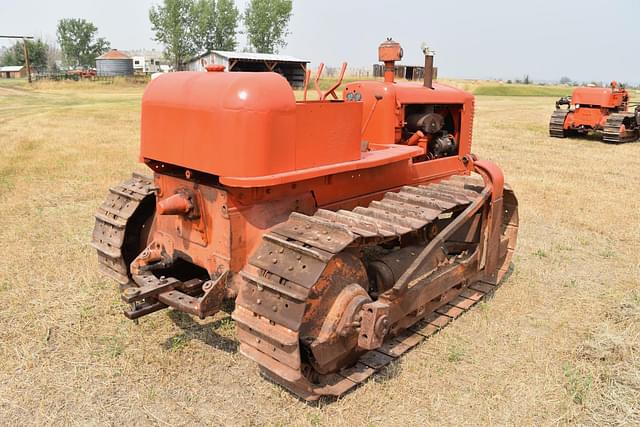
(243,125)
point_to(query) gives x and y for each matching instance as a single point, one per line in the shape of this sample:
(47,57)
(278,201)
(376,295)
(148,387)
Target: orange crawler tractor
(346,231)
(597,109)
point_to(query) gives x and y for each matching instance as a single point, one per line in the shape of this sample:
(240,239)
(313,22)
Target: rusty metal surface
(450,310)
(324,297)
(150,289)
(621,127)
(375,359)
(374,325)
(420,310)
(556,124)
(358,372)
(321,234)
(273,305)
(181,203)
(284,287)
(287,299)
(365,229)
(290,261)
(197,297)
(421,201)
(425,214)
(112,218)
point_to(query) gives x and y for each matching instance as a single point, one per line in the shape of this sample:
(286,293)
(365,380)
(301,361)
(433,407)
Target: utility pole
(26,58)
(26,51)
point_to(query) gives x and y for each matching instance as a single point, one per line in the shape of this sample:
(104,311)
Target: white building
(148,61)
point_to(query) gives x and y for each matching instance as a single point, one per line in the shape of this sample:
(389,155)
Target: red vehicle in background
(83,73)
(595,109)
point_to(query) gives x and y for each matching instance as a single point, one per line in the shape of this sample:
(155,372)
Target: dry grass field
(558,344)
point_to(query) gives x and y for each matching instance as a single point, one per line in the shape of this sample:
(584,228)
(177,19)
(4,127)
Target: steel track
(112,233)
(556,124)
(282,272)
(612,133)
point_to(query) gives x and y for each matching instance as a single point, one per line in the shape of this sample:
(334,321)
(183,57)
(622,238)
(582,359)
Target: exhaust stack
(428,67)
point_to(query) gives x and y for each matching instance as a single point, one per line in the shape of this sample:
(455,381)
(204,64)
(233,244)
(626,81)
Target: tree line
(184,27)
(78,42)
(189,27)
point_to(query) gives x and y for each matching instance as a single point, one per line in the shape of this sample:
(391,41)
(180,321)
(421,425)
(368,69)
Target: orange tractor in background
(595,109)
(346,231)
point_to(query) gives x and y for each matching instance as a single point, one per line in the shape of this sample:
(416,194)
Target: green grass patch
(577,383)
(540,253)
(177,342)
(315,418)
(521,90)
(110,345)
(607,253)
(455,354)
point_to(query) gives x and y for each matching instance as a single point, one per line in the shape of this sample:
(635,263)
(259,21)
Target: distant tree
(565,80)
(526,79)
(8,55)
(53,57)
(38,53)
(203,13)
(78,42)
(266,22)
(174,26)
(226,24)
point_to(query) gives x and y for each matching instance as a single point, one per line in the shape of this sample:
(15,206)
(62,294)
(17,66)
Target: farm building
(293,69)
(13,71)
(148,61)
(114,63)
(408,72)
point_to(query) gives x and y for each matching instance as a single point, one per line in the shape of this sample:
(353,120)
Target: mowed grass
(559,343)
(522,90)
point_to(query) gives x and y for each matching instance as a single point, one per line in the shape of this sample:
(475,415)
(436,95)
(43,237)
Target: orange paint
(590,106)
(249,154)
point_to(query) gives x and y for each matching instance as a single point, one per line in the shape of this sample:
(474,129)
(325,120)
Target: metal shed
(13,71)
(408,72)
(291,68)
(114,63)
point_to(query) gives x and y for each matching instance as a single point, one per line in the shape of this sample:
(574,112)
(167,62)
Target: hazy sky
(584,40)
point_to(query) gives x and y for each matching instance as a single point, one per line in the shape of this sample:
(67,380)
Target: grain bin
(114,63)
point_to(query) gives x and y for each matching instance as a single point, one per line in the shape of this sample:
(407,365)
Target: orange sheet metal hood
(233,124)
(416,93)
(602,97)
(220,123)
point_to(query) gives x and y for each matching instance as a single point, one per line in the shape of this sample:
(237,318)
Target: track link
(556,124)
(613,131)
(280,275)
(110,237)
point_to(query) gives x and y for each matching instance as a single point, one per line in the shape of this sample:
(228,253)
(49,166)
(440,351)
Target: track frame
(288,276)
